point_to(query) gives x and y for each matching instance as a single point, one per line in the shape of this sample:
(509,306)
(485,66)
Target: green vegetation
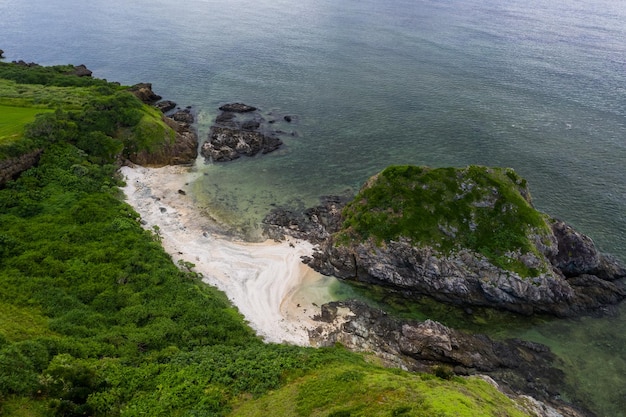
(97,320)
(13,120)
(363,390)
(479,208)
(100,118)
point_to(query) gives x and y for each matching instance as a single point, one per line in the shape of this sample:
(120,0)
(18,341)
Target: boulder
(165,105)
(226,144)
(183,116)
(237,108)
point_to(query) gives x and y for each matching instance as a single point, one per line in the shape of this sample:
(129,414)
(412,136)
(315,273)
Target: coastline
(263,280)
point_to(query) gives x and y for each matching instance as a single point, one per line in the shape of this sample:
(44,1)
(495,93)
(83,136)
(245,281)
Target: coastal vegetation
(96,319)
(487,210)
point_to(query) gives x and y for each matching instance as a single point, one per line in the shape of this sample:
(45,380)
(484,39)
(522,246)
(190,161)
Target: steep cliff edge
(467,236)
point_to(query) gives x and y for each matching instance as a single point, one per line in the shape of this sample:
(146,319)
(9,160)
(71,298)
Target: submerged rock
(469,237)
(10,168)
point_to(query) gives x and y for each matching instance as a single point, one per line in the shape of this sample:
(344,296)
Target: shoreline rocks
(519,367)
(239,130)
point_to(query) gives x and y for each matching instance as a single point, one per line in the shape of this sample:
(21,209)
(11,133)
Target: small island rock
(468,237)
(237,108)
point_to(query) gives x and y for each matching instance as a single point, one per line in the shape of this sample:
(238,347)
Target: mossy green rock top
(468,236)
(486,210)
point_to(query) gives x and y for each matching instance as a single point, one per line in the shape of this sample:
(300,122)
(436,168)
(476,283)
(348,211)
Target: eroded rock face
(12,167)
(467,279)
(165,105)
(239,131)
(520,367)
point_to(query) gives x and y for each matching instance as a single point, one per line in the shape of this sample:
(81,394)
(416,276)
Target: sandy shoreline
(262,280)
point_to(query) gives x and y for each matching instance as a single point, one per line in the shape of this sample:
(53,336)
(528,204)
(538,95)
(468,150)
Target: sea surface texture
(536,85)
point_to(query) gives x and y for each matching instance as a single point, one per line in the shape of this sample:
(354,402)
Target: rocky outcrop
(10,168)
(26,64)
(568,275)
(467,279)
(80,71)
(165,105)
(1,53)
(237,108)
(182,151)
(519,367)
(239,131)
(314,224)
(143,91)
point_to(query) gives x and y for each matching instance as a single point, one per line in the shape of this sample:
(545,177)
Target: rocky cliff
(467,236)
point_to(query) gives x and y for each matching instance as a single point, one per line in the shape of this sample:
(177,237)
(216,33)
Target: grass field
(13,120)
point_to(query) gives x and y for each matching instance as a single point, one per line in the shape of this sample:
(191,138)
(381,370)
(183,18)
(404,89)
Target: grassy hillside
(95,319)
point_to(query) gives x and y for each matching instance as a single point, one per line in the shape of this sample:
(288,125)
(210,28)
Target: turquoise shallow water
(536,85)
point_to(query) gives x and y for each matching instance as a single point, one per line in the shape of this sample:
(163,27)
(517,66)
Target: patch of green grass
(21,323)
(35,95)
(151,133)
(487,210)
(13,120)
(352,390)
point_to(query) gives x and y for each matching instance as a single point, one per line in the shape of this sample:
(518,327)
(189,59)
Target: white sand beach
(263,280)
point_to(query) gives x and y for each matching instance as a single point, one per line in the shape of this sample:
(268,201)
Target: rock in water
(235,134)
(237,108)
(469,237)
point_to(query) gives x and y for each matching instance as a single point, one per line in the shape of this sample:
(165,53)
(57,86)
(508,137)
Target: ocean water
(536,85)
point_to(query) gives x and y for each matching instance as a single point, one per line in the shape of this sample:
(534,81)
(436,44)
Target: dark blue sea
(536,85)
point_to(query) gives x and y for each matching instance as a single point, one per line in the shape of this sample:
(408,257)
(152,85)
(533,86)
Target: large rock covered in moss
(176,142)
(470,237)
